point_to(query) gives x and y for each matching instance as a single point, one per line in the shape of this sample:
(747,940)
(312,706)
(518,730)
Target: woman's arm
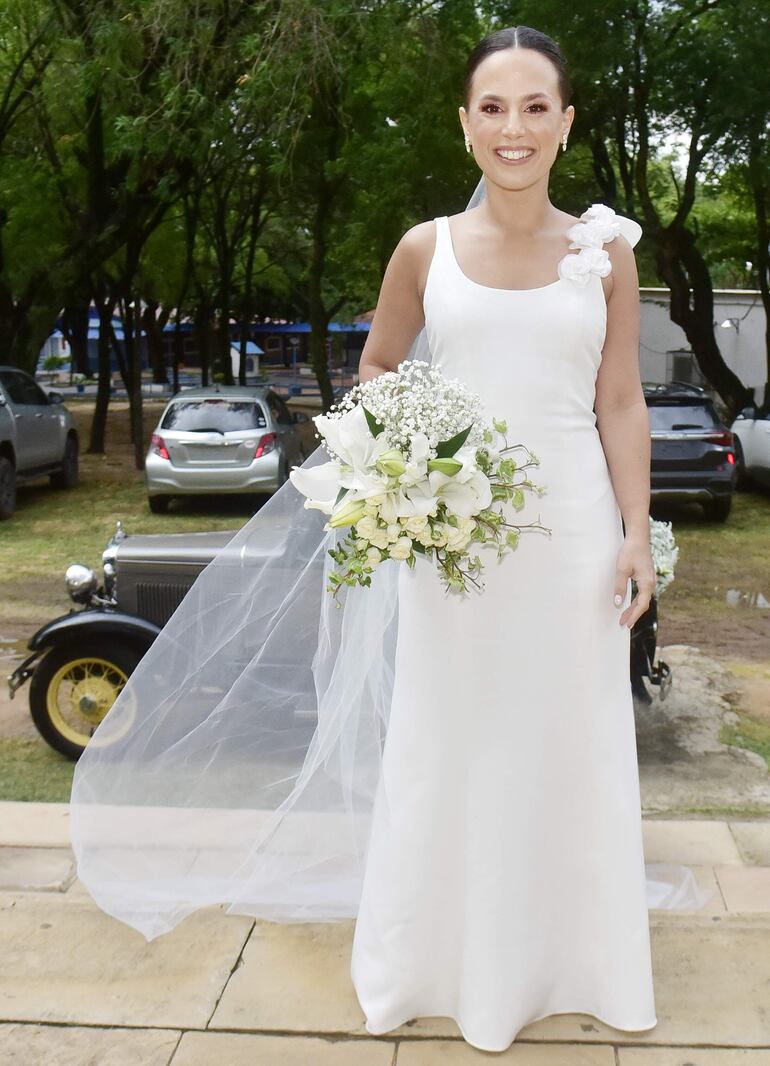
(624,427)
(399,315)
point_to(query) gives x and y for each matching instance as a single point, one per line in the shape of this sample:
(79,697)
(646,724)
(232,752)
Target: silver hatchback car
(222,439)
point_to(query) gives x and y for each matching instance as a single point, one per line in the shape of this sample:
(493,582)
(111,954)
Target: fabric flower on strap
(580,267)
(598,226)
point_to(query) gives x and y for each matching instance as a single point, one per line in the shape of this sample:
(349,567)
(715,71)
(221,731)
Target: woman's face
(515,104)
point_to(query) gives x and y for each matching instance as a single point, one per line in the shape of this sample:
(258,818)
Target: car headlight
(80,581)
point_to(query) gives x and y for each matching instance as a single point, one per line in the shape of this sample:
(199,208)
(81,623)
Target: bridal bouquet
(414,470)
(665,553)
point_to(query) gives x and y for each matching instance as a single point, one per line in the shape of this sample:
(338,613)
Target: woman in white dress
(505,877)
(457,773)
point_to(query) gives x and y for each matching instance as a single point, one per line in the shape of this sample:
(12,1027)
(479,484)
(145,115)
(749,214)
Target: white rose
(373,556)
(457,540)
(393,530)
(379,539)
(416,524)
(401,548)
(425,538)
(366,526)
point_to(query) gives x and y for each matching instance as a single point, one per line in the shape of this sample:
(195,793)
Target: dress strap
(443,236)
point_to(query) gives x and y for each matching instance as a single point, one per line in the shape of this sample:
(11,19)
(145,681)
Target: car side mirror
(55,397)
(299,416)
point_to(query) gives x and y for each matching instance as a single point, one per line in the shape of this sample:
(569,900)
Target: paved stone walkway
(78,988)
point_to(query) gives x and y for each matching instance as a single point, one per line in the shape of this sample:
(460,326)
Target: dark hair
(520,37)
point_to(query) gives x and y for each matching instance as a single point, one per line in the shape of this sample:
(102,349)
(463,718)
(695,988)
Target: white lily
(319,483)
(463,498)
(417,466)
(350,438)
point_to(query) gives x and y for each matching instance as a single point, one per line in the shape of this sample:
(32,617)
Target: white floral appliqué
(598,226)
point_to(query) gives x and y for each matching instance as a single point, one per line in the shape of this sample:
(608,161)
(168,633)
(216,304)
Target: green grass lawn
(32,772)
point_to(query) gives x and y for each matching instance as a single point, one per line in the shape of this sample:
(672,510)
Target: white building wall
(664,351)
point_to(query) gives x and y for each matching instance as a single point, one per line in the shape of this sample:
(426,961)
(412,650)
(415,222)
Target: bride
(456,772)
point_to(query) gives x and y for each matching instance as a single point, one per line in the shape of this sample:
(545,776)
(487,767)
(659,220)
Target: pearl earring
(564,143)
(467,143)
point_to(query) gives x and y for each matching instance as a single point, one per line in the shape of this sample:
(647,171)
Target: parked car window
(681,416)
(14,385)
(280,411)
(33,391)
(214,413)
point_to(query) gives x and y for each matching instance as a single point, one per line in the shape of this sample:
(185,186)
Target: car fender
(94,623)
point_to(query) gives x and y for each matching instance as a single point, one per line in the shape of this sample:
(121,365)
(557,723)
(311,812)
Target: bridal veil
(239,764)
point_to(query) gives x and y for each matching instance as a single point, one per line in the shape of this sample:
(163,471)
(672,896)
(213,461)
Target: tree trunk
(99,423)
(154,320)
(686,273)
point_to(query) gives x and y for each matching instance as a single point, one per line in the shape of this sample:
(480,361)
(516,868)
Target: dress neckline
(493,288)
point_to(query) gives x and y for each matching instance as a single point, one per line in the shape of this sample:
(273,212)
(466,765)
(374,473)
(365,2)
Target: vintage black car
(80,661)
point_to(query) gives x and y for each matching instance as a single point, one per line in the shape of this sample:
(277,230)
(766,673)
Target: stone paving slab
(692,1056)
(745,889)
(688,841)
(454,1053)
(36,869)
(34,825)
(712,978)
(293,977)
(56,1045)
(239,1049)
(753,840)
(66,961)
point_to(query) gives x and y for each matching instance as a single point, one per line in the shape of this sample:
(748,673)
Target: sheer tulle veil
(240,763)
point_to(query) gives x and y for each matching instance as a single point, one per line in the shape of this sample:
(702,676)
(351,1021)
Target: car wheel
(159,504)
(68,476)
(717,509)
(71,692)
(7,487)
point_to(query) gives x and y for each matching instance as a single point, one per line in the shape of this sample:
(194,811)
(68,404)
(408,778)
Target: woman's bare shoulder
(416,247)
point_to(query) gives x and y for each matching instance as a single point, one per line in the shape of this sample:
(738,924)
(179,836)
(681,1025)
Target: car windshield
(213,414)
(681,416)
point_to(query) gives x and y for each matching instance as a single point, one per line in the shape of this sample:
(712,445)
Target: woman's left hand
(634,560)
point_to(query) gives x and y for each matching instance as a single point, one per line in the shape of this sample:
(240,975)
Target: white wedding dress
(504,876)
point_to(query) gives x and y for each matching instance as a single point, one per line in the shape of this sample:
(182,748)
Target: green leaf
(375,427)
(447,448)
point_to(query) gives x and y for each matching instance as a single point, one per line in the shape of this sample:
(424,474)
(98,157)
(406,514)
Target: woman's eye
(540,107)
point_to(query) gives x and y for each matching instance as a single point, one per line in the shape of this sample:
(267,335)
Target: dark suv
(693,451)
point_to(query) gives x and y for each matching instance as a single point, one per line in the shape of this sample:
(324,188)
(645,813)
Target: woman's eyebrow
(529,96)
